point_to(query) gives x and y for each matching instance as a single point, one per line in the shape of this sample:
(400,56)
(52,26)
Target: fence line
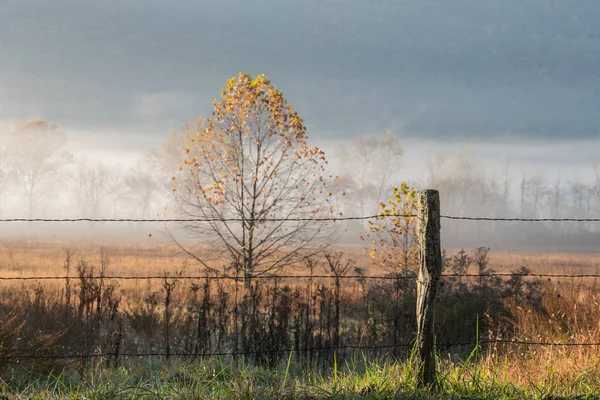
(289,350)
(521,219)
(324,219)
(328,219)
(267,277)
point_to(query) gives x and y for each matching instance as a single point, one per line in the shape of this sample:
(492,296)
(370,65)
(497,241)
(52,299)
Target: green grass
(356,379)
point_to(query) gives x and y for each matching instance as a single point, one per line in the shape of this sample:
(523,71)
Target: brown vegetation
(258,322)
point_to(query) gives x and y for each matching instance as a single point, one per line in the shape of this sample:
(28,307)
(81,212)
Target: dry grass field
(197,317)
(156,257)
(137,258)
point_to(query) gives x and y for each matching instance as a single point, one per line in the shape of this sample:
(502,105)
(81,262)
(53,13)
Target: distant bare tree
(462,181)
(523,194)
(581,196)
(536,188)
(357,172)
(556,198)
(166,160)
(96,183)
(506,188)
(370,163)
(597,186)
(36,157)
(389,155)
(4,166)
(140,188)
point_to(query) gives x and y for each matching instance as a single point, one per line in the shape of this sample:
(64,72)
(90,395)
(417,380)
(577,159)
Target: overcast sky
(431,69)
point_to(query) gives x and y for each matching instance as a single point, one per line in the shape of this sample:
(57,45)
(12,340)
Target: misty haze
(519,103)
(242,185)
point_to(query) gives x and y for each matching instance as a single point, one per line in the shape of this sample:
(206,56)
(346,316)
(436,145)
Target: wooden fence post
(430,271)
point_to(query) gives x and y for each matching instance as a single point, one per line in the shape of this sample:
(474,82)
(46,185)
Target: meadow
(337,332)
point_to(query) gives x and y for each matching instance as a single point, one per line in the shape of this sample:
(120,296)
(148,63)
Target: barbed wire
(290,350)
(521,219)
(275,277)
(213,354)
(317,219)
(324,219)
(264,277)
(202,277)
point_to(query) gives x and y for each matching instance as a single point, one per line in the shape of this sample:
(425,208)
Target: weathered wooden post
(430,271)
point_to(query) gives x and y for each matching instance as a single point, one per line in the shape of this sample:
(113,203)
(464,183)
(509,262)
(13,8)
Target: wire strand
(291,350)
(269,277)
(324,219)
(521,219)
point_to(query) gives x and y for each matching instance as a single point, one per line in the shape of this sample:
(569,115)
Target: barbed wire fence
(419,279)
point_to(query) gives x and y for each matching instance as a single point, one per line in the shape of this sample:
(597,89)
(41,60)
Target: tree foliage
(392,235)
(252,163)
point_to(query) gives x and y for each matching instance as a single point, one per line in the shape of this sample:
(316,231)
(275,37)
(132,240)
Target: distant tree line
(39,178)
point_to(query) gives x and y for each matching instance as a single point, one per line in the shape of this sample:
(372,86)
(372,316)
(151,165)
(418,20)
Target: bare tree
(581,195)
(251,165)
(506,188)
(370,163)
(390,152)
(96,183)
(357,177)
(556,198)
(523,194)
(140,188)
(463,182)
(4,166)
(536,188)
(36,157)
(166,160)
(597,185)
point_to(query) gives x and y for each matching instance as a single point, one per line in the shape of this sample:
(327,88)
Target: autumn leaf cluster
(392,233)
